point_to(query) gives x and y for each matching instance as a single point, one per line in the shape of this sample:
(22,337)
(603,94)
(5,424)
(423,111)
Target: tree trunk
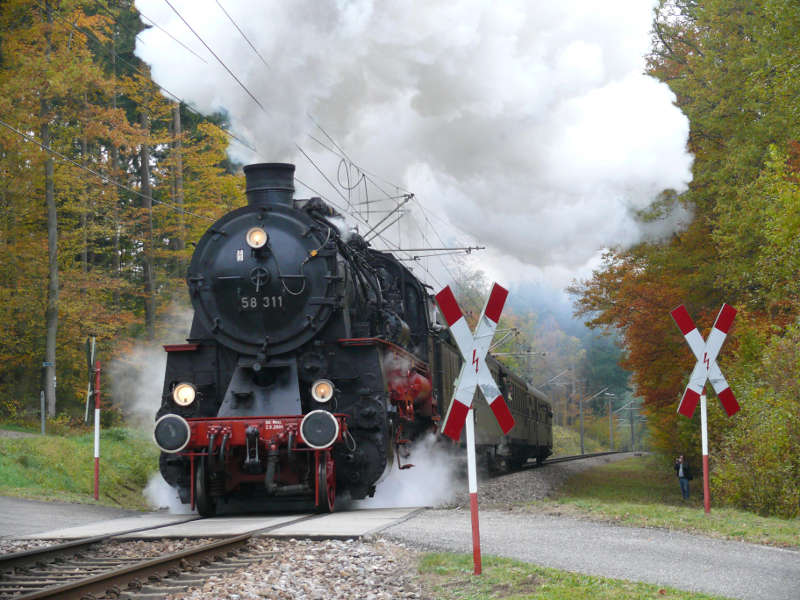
(115,217)
(116,260)
(51,313)
(147,259)
(84,218)
(176,125)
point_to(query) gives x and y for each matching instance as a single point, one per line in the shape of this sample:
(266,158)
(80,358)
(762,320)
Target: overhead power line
(366,176)
(246,39)
(219,60)
(172,36)
(89,35)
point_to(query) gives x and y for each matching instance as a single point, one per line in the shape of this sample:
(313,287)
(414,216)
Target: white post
(704,438)
(473,491)
(97,430)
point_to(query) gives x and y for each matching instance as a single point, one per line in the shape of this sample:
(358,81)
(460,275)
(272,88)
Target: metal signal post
(704,437)
(474,375)
(706,369)
(97,430)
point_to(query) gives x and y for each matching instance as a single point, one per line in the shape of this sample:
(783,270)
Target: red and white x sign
(474,372)
(706,353)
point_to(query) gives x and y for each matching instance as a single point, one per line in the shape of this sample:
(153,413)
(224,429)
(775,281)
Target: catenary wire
(246,39)
(300,149)
(89,35)
(172,36)
(219,60)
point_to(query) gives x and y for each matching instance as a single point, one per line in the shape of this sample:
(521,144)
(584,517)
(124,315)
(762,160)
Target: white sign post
(474,374)
(705,369)
(704,446)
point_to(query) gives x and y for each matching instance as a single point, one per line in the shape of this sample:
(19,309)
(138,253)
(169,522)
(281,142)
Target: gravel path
(10,433)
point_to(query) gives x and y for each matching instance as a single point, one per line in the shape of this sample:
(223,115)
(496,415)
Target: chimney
(269,183)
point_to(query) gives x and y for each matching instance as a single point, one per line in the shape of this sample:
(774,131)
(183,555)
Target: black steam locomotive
(312,361)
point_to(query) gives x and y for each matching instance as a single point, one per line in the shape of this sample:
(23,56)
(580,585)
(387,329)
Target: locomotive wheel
(326,484)
(206,505)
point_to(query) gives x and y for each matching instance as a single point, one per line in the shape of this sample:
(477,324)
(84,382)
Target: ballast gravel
(319,570)
(529,484)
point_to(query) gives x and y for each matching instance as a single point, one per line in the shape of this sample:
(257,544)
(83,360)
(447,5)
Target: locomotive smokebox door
(264,278)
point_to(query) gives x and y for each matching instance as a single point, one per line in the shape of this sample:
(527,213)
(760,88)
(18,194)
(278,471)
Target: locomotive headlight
(257,238)
(184,394)
(322,390)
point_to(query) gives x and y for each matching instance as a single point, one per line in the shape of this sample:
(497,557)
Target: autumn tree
(93,145)
(732,66)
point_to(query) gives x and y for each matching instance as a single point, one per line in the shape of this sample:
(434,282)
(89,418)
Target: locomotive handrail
(418,365)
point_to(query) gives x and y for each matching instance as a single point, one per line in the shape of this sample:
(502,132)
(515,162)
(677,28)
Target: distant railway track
(532,464)
(80,569)
(559,459)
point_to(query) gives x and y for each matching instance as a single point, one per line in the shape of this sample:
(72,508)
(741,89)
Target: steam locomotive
(312,362)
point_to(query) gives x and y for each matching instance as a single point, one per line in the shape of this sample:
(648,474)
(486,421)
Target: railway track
(559,459)
(83,569)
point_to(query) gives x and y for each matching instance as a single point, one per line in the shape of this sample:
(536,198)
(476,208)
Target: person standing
(684,475)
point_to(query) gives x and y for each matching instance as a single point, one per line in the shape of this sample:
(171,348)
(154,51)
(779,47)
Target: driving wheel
(326,484)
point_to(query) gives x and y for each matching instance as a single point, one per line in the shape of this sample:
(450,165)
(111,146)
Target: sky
(528,127)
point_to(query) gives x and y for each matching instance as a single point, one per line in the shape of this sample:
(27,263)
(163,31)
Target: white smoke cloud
(159,494)
(137,376)
(529,125)
(432,481)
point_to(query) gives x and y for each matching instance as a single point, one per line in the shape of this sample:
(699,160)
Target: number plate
(260,302)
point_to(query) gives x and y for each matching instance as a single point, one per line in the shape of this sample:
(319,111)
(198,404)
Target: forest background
(96,232)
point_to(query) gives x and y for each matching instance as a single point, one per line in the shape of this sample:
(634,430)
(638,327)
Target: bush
(757,466)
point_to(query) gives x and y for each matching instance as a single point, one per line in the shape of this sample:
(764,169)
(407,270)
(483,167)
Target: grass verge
(62,467)
(640,492)
(449,577)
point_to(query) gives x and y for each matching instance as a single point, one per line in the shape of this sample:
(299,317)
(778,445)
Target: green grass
(642,492)
(62,467)
(449,577)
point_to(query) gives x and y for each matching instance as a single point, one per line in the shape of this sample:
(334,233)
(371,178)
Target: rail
(56,578)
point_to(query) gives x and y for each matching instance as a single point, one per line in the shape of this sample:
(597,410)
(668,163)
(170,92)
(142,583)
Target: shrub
(757,465)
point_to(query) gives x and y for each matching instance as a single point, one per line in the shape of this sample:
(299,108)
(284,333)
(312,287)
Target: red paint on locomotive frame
(181,347)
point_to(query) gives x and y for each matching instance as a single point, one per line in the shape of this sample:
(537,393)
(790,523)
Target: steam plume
(529,126)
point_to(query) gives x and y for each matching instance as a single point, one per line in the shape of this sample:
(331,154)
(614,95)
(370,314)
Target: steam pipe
(272,463)
(212,461)
(222,446)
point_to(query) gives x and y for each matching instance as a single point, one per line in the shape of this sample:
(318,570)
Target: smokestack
(269,183)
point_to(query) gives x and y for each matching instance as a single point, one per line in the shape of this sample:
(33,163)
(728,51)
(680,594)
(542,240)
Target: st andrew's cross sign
(474,372)
(706,368)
